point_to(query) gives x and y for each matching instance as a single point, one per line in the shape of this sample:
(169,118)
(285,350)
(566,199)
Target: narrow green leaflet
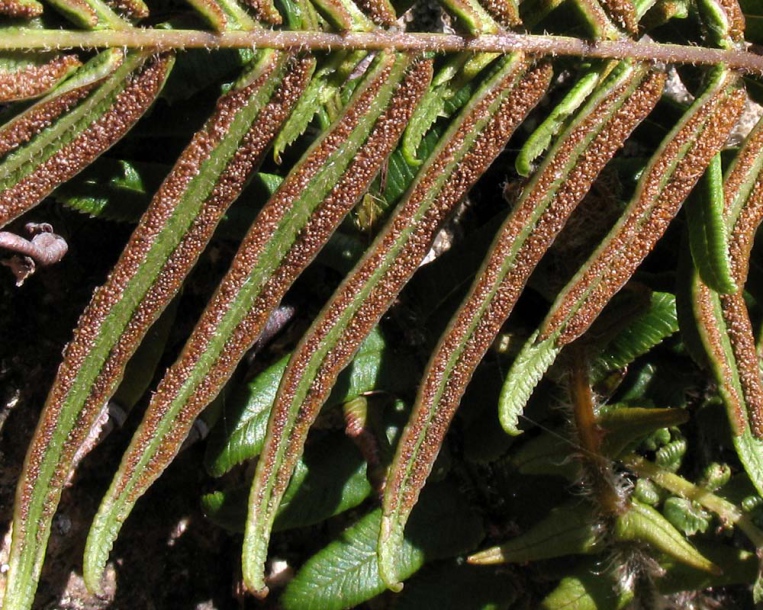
(666,181)
(161,252)
(750,452)
(648,329)
(541,138)
(287,234)
(469,146)
(598,20)
(708,233)
(346,572)
(525,374)
(724,20)
(76,138)
(711,329)
(643,523)
(450,81)
(323,89)
(614,110)
(473,16)
(224,15)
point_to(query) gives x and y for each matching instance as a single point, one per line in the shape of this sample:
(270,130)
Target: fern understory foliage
(541,215)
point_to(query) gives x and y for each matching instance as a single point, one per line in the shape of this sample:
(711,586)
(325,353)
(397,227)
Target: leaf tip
(390,544)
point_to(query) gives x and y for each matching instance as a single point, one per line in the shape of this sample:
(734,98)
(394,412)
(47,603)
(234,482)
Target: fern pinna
(344,140)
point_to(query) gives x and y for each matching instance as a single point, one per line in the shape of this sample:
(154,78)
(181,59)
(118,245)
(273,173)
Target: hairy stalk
(507,42)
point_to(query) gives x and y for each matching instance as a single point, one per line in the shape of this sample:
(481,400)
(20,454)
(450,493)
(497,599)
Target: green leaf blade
(346,573)
(708,234)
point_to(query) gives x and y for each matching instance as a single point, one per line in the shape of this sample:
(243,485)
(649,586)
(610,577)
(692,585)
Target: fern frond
(362,106)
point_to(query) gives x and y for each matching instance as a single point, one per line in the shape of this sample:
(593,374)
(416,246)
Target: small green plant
(341,145)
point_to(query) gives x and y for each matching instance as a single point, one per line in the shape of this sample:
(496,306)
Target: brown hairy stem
(505,42)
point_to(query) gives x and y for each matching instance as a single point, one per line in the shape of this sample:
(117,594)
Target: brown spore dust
(35,80)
